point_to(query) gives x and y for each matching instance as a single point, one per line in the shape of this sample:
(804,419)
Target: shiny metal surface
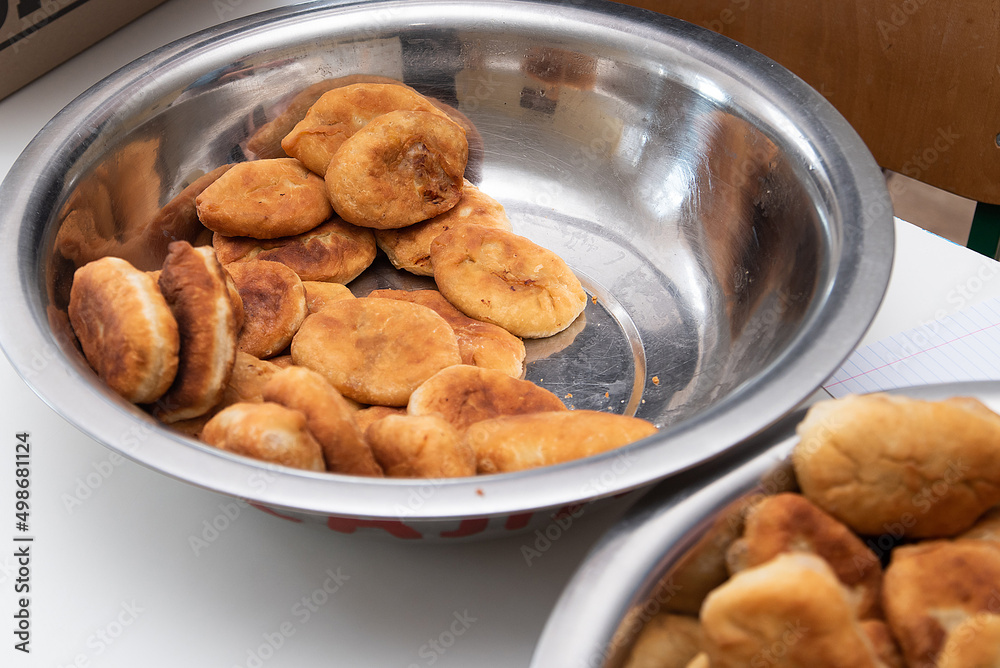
(733,230)
(636,570)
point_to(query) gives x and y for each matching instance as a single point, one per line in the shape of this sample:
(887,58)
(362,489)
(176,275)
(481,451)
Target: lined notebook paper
(960,347)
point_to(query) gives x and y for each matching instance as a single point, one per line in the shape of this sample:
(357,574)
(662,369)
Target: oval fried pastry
(125,328)
(507,280)
(265,431)
(518,442)
(409,248)
(480,343)
(928,468)
(426,446)
(463,395)
(789,522)
(329,418)
(341,112)
(194,284)
(275,305)
(333,251)
(375,351)
(401,168)
(264,199)
(787,613)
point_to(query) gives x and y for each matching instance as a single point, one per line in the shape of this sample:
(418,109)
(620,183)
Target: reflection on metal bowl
(733,231)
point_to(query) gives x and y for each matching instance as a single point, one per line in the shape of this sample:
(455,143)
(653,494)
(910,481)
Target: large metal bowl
(663,554)
(734,231)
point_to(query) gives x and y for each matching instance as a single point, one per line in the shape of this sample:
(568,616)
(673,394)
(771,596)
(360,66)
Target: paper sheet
(960,347)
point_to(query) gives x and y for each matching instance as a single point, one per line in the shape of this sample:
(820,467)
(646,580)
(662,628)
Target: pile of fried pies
(255,344)
(887,555)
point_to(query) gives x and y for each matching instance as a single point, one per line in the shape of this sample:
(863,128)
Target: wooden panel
(918,80)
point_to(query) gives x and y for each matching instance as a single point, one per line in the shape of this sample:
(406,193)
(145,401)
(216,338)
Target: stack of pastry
(889,557)
(256,345)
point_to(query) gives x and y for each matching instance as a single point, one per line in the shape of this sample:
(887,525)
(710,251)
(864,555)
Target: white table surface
(115,580)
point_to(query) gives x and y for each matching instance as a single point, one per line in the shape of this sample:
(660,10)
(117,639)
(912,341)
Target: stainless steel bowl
(645,563)
(734,231)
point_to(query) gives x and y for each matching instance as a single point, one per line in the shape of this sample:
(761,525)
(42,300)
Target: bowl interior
(733,232)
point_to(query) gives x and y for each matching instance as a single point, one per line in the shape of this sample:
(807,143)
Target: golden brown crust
(987,527)
(341,112)
(333,251)
(282,361)
(975,643)
(700,661)
(375,351)
(480,343)
(409,248)
(401,168)
(787,613)
(125,328)
(264,199)
(366,416)
(932,586)
(246,384)
(265,431)
(463,395)
(320,293)
(518,442)
(194,285)
(275,305)
(410,446)
(882,641)
(791,523)
(666,641)
(328,417)
(881,462)
(508,280)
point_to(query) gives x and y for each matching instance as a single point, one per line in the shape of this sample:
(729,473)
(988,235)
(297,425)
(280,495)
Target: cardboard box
(37,35)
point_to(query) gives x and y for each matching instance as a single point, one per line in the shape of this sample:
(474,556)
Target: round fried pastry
(517,442)
(341,112)
(480,343)
(264,199)
(463,395)
(409,446)
(265,431)
(409,248)
(125,328)
(194,285)
(878,462)
(506,279)
(321,293)
(375,351)
(789,522)
(329,418)
(275,305)
(333,251)
(787,613)
(401,168)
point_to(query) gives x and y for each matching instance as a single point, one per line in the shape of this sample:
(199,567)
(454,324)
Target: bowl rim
(827,336)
